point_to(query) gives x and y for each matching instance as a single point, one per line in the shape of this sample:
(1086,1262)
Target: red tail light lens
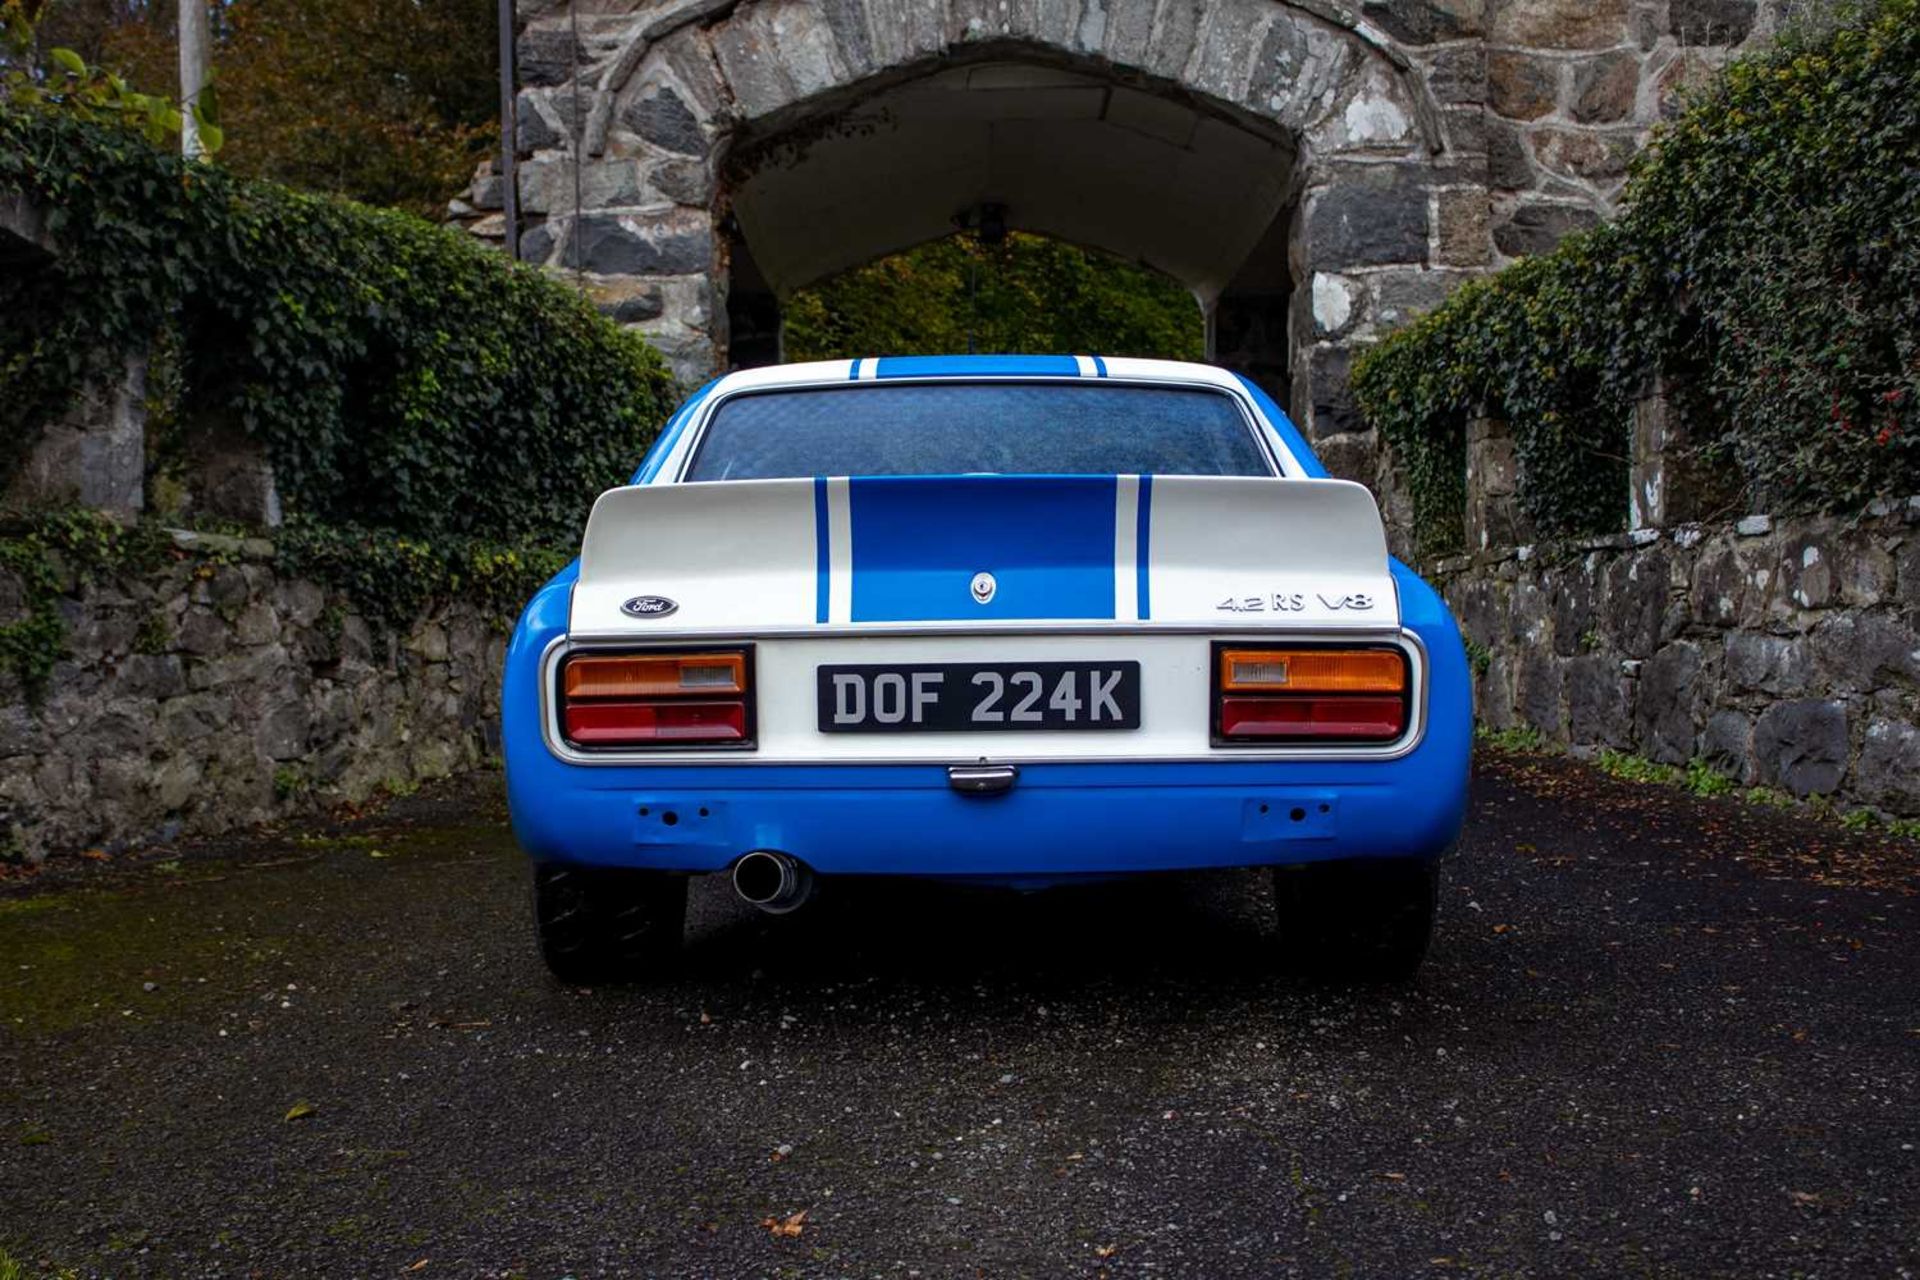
(1309,694)
(1374,718)
(614,723)
(657,699)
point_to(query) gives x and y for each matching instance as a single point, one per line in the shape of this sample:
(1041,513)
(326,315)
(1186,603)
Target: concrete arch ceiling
(1063,152)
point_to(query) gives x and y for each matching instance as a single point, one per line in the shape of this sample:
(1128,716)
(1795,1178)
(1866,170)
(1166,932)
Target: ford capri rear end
(1010,620)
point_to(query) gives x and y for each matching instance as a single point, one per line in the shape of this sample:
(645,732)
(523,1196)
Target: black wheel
(607,925)
(1367,919)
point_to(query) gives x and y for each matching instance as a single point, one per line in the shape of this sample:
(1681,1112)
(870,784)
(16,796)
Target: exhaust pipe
(774,882)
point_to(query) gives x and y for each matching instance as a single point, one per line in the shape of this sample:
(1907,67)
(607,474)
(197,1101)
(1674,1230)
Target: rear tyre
(600,925)
(1367,919)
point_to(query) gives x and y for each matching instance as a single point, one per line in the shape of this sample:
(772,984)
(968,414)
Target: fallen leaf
(787,1228)
(300,1110)
(96,855)
(418,1266)
(1503,928)
(1105,1250)
(1394,1177)
(1804,1197)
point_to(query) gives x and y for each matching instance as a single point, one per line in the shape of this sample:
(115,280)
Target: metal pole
(509,144)
(194,37)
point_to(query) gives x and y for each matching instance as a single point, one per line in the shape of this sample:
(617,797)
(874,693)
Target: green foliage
(1479,657)
(1632,768)
(1030,294)
(153,635)
(398,374)
(385,101)
(11,1268)
(1768,260)
(1859,820)
(396,578)
(1705,780)
(39,558)
(1699,777)
(1519,739)
(69,84)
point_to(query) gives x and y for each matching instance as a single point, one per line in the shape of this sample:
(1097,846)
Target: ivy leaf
(70,62)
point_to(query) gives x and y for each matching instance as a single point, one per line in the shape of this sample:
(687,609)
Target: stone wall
(1571,88)
(1784,653)
(221,692)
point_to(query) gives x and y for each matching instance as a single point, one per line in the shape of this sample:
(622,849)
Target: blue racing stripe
(1142,527)
(978,367)
(822,549)
(1099,367)
(918,542)
(853,374)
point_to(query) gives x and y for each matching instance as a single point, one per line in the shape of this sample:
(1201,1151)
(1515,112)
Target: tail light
(1309,694)
(657,699)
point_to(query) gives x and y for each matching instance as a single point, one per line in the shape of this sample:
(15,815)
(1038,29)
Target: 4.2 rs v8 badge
(1295,602)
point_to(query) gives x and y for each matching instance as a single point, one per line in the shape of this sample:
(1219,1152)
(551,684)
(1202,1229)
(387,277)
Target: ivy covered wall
(1764,277)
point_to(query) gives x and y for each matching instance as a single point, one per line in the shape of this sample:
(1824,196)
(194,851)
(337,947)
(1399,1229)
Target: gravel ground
(1656,1036)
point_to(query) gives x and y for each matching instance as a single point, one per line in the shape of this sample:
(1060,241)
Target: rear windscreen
(958,428)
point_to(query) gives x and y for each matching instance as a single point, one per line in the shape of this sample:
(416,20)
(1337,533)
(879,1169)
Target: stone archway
(1000,136)
(1293,167)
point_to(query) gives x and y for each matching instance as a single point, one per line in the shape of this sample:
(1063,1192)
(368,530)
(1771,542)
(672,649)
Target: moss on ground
(169,941)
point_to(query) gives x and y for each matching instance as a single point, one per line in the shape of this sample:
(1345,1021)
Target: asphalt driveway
(1657,1036)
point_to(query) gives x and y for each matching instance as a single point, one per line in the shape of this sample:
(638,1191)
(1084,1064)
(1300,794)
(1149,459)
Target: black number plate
(949,697)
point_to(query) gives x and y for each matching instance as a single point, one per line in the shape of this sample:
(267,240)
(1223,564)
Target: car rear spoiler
(744,557)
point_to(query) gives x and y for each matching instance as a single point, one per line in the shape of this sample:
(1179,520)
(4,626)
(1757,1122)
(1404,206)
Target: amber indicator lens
(1312,670)
(656,675)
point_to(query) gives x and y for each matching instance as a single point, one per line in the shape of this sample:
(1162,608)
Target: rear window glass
(948,428)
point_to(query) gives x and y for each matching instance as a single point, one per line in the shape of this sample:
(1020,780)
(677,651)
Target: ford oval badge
(648,607)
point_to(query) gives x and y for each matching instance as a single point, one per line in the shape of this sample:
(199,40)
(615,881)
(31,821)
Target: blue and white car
(997,619)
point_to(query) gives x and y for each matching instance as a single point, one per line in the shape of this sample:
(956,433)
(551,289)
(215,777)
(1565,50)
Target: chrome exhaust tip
(774,882)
